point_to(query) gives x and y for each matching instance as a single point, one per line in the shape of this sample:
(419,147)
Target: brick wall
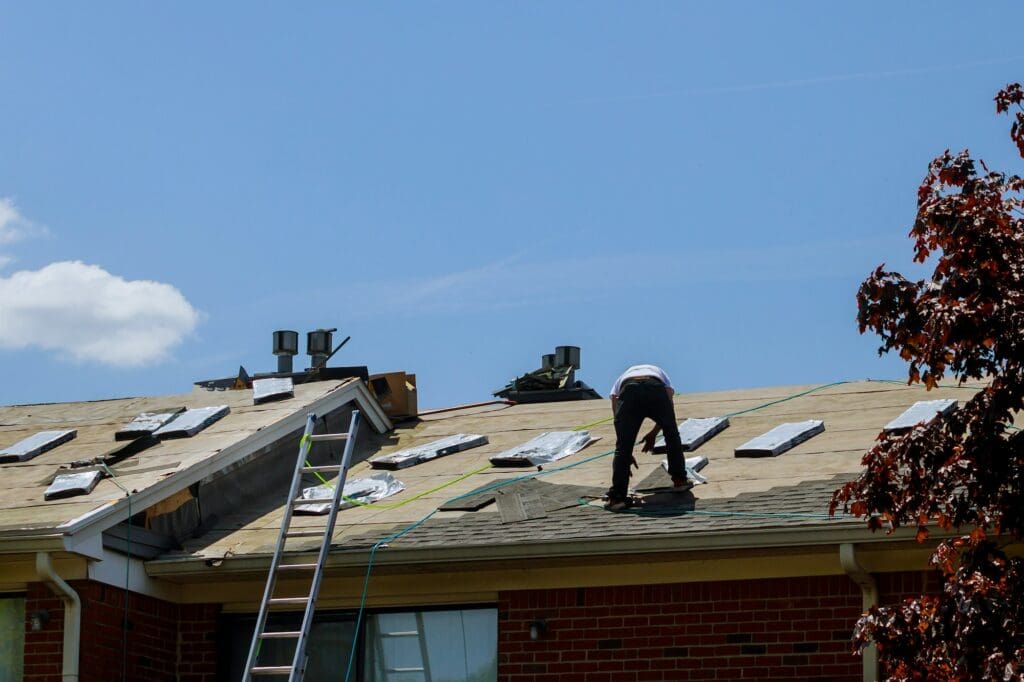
(778,629)
(165,642)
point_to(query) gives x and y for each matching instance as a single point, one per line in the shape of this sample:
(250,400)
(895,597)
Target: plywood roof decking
(799,480)
(22,505)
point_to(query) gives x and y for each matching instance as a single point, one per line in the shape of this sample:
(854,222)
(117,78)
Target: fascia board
(107,516)
(26,543)
(807,536)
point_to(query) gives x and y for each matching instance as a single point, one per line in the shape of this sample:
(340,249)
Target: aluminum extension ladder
(297,669)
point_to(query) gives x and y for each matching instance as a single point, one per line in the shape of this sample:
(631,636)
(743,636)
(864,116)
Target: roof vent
(318,346)
(553,382)
(286,346)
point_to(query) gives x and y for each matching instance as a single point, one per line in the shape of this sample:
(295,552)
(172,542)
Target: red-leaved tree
(963,473)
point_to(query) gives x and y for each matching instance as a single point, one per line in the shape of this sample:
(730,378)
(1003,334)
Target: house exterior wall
(768,629)
(774,629)
(165,641)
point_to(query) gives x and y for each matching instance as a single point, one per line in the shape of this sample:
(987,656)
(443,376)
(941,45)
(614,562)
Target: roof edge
(111,513)
(786,538)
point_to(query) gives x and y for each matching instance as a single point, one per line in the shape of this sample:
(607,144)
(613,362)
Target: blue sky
(463,186)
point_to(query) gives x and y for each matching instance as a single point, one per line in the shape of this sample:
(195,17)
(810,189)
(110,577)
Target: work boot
(681,485)
(616,504)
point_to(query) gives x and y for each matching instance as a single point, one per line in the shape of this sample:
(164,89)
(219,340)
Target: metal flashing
(146,423)
(922,411)
(780,439)
(70,485)
(191,422)
(266,390)
(35,445)
(423,453)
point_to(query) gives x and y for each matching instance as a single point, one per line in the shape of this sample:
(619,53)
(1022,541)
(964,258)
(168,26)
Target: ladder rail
(422,641)
(325,548)
(261,618)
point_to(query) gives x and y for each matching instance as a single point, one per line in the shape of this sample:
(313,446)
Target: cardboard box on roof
(396,393)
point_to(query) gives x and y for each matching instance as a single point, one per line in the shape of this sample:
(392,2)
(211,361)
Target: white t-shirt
(640,371)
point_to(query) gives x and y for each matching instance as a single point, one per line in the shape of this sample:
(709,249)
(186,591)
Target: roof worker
(643,391)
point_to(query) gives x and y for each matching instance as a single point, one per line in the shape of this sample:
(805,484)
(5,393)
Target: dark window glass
(432,646)
(12,638)
(330,642)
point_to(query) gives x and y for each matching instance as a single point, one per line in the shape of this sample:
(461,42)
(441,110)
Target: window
(439,646)
(12,638)
(455,645)
(330,642)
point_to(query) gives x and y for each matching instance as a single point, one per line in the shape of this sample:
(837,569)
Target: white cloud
(14,226)
(87,314)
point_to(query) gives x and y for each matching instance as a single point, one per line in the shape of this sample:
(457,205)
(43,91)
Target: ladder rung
(406,633)
(319,438)
(325,467)
(271,670)
(281,635)
(406,670)
(296,567)
(306,533)
(288,600)
(299,502)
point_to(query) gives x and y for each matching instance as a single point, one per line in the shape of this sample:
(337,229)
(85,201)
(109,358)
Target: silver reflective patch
(780,439)
(361,490)
(921,411)
(191,422)
(265,390)
(146,423)
(423,453)
(547,447)
(35,445)
(695,431)
(69,485)
(693,465)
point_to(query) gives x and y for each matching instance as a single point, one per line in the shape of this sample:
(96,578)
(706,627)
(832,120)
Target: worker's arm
(615,404)
(650,438)
(652,435)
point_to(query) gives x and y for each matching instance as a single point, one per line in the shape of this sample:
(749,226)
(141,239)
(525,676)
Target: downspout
(72,614)
(869,598)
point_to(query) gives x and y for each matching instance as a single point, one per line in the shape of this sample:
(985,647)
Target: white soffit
(266,390)
(695,431)
(423,453)
(921,411)
(35,445)
(69,485)
(780,439)
(146,423)
(191,422)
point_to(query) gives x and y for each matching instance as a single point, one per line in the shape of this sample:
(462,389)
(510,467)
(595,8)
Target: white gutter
(869,598)
(72,614)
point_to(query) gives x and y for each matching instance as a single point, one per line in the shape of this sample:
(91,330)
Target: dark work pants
(638,401)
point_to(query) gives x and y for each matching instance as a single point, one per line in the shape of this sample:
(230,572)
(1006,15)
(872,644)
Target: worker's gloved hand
(648,441)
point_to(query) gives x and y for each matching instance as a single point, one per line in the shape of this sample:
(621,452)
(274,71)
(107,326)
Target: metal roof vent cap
(286,345)
(567,356)
(318,345)
(547,361)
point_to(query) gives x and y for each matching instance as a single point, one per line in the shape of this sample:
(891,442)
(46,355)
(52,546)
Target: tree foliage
(963,473)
